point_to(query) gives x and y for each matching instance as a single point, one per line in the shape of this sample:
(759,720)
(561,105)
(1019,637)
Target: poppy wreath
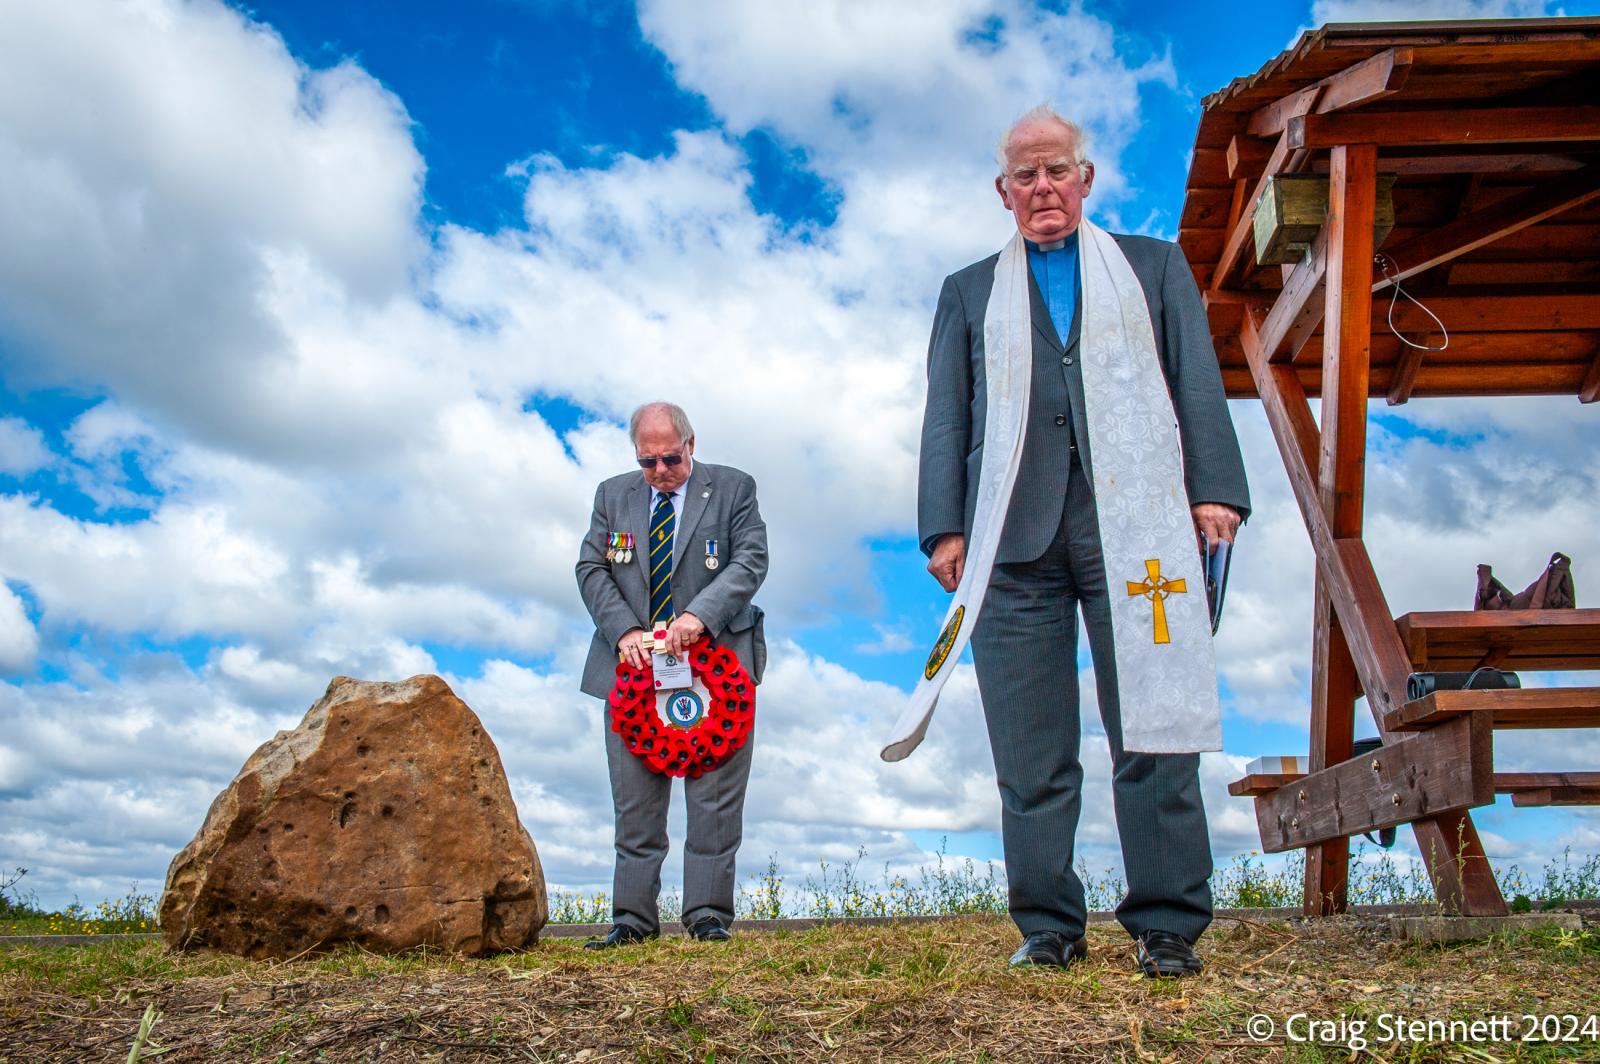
(696,750)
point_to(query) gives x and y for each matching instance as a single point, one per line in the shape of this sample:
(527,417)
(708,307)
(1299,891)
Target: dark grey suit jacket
(719,503)
(952,423)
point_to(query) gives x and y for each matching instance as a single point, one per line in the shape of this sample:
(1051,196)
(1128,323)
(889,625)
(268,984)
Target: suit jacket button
(1066,360)
(1061,419)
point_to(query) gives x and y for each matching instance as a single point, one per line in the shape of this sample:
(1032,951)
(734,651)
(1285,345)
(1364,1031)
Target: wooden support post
(1346,366)
(1333,704)
(1462,878)
(1347,337)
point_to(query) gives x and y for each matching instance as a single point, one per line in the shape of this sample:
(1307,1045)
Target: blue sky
(318,323)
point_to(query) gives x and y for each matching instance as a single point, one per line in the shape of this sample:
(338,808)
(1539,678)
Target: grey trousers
(1025,647)
(715,807)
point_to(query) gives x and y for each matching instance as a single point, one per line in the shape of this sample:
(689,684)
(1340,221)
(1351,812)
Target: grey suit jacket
(719,503)
(952,423)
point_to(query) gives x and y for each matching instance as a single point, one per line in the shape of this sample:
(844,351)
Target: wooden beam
(1366,82)
(1405,371)
(1505,125)
(1589,390)
(1247,155)
(1549,796)
(1240,235)
(1299,301)
(1382,664)
(1462,163)
(1270,120)
(1258,783)
(1437,380)
(1511,782)
(1485,226)
(1513,708)
(1240,231)
(1445,769)
(1347,338)
(1372,79)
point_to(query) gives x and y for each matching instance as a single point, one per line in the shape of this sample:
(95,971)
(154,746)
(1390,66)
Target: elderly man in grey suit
(698,552)
(1048,563)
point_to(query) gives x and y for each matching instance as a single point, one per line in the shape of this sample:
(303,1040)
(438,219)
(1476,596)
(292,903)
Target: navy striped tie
(662,522)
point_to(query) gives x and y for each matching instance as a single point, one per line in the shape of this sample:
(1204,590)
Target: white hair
(1043,113)
(675,414)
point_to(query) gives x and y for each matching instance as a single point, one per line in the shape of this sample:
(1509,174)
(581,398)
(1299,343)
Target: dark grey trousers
(715,808)
(1025,648)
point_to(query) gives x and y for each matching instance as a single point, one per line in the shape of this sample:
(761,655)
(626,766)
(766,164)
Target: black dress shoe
(710,929)
(620,935)
(1049,949)
(1164,955)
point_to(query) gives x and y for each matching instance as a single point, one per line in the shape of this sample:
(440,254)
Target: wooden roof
(1493,131)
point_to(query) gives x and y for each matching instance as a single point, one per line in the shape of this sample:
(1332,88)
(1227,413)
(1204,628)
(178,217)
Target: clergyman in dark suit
(1049,564)
(697,554)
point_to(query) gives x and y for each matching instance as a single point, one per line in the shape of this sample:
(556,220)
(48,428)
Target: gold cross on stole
(1156,589)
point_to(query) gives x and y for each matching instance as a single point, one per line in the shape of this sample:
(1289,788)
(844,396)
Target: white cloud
(19,641)
(22,448)
(890,640)
(1323,11)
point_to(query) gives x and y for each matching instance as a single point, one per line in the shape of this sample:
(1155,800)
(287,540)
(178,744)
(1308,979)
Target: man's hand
(950,560)
(683,633)
(631,648)
(1217,521)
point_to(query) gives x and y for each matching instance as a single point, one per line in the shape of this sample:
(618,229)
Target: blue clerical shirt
(1056,272)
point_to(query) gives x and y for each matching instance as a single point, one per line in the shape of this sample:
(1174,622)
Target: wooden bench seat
(1543,707)
(1462,640)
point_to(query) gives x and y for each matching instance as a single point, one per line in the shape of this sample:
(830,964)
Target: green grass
(835,993)
(133,913)
(948,887)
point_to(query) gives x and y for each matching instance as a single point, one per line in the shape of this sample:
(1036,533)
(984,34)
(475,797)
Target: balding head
(1044,175)
(661,431)
(1041,115)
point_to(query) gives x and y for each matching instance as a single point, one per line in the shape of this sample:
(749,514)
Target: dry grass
(933,991)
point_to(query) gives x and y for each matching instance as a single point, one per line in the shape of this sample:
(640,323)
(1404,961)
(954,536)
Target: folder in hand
(1214,561)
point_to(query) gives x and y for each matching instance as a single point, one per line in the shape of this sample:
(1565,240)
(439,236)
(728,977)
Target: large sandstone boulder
(384,819)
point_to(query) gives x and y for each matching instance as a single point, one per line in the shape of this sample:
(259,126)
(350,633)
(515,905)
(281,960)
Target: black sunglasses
(669,460)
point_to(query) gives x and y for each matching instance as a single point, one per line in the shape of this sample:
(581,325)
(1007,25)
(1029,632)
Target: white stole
(1160,620)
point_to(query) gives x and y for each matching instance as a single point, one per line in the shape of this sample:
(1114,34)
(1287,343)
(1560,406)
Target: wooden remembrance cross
(1488,134)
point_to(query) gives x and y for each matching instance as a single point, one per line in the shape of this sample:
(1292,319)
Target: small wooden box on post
(1487,140)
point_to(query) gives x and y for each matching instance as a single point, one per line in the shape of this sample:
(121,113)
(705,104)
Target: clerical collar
(1054,245)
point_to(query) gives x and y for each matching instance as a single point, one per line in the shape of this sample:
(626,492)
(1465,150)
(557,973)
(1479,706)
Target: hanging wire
(1386,264)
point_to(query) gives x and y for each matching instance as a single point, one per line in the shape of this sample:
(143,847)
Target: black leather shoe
(1049,949)
(710,929)
(1164,955)
(620,935)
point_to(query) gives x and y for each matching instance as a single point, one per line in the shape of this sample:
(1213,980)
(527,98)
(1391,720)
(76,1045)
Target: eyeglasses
(668,460)
(1028,176)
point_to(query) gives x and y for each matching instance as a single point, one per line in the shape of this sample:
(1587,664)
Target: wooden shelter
(1488,134)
